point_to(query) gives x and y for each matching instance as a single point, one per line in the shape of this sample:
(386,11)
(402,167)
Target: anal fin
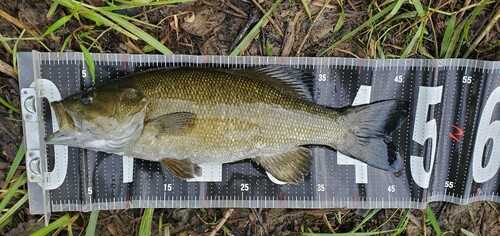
(289,167)
(183,169)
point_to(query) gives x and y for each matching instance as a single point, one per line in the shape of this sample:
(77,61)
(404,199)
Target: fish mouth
(66,123)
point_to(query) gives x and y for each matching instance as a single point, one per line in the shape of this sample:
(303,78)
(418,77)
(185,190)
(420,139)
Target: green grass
(9,106)
(11,192)
(61,223)
(253,33)
(433,221)
(91,226)
(104,16)
(146,221)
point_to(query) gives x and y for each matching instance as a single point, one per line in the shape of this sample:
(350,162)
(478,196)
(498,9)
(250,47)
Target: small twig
(7,69)
(278,29)
(320,4)
(17,23)
(352,5)
(483,33)
(312,25)
(99,36)
(414,220)
(235,8)
(424,227)
(290,36)
(466,3)
(133,46)
(327,222)
(259,218)
(227,214)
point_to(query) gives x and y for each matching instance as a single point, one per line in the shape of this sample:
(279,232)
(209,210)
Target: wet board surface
(450,141)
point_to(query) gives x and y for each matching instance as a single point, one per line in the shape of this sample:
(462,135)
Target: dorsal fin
(295,81)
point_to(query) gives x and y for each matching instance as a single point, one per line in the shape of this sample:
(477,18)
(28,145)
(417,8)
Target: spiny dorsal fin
(289,167)
(174,123)
(295,80)
(183,169)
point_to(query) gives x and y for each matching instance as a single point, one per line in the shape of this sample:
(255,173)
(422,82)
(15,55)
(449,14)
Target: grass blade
(411,45)
(255,30)
(89,61)
(8,105)
(396,8)
(4,219)
(447,36)
(15,164)
(433,220)
(65,43)
(466,232)
(418,6)
(152,3)
(402,223)
(340,22)
(52,10)
(92,223)
(98,18)
(146,221)
(308,11)
(160,224)
(470,19)
(483,33)
(14,52)
(367,218)
(454,40)
(139,33)
(57,24)
(356,31)
(12,190)
(59,223)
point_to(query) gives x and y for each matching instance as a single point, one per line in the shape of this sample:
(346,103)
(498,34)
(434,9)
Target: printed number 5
(424,130)
(84,73)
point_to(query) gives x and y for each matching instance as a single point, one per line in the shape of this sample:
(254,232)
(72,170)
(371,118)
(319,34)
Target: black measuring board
(449,141)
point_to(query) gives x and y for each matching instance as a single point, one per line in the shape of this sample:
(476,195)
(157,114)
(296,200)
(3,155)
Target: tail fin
(371,140)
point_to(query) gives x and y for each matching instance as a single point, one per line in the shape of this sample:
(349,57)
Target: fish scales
(234,115)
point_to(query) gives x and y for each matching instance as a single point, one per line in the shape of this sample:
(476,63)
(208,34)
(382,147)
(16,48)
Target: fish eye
(86,99)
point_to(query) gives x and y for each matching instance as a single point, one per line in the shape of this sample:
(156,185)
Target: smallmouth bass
(186,116)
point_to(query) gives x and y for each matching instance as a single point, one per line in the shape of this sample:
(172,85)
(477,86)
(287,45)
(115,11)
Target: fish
(186,116)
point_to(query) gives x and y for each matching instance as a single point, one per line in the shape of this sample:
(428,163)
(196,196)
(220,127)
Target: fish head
(100,119)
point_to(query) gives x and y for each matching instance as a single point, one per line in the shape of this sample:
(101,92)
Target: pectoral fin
(174,123)
(183,169)
(289,167)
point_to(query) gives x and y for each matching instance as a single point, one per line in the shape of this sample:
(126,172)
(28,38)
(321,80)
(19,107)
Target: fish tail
(371,127)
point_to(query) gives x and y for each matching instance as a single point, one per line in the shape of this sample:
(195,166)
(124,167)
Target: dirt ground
(215,29)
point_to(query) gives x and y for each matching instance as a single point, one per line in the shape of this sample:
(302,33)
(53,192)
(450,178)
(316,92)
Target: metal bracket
(28,107)
(30,118)
(34,169)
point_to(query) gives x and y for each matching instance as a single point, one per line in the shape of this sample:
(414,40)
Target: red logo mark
(460,132)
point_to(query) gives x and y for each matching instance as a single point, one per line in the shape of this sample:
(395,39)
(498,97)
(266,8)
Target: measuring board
(450,141)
